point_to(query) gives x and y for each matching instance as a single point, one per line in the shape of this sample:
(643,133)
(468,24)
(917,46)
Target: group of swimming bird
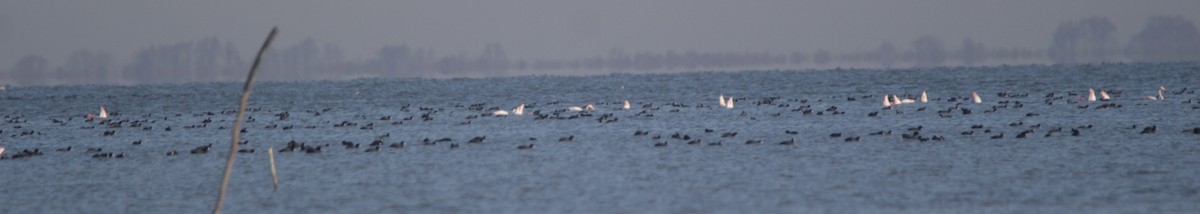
(895,100)
(520,109)
(1104,95)
(890,102)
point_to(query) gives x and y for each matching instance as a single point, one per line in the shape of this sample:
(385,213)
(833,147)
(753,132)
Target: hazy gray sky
(532,29)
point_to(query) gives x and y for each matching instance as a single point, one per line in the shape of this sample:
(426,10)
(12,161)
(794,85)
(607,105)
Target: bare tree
(797,57)
(928,51)
(1165,38)
(31,70)
(85,67)
(822,57)
(494,61)
(972,52)
(1090,40)
(887,54)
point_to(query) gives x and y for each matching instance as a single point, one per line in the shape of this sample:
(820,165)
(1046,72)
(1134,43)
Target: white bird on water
(729,104)
(886,101)
(626,106)
(1160,96)
(520,110)
(905,100)
(103,114)
(721,100)
(924,99)
(1091,95)
(1104,95)
(1161,89)
(589,107)
(975,97)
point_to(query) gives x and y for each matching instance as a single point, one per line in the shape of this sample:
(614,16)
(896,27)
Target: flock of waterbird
(890,102)
(895,100)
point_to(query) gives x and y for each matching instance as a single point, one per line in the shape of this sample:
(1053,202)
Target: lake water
(1110,167)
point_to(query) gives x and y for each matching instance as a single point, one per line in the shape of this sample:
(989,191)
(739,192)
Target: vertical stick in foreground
(271,157)
(237,124)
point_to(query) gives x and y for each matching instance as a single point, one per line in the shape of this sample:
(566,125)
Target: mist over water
(128,42)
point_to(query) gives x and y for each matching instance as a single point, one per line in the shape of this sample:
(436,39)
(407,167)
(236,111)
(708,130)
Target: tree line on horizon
(1090,40)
